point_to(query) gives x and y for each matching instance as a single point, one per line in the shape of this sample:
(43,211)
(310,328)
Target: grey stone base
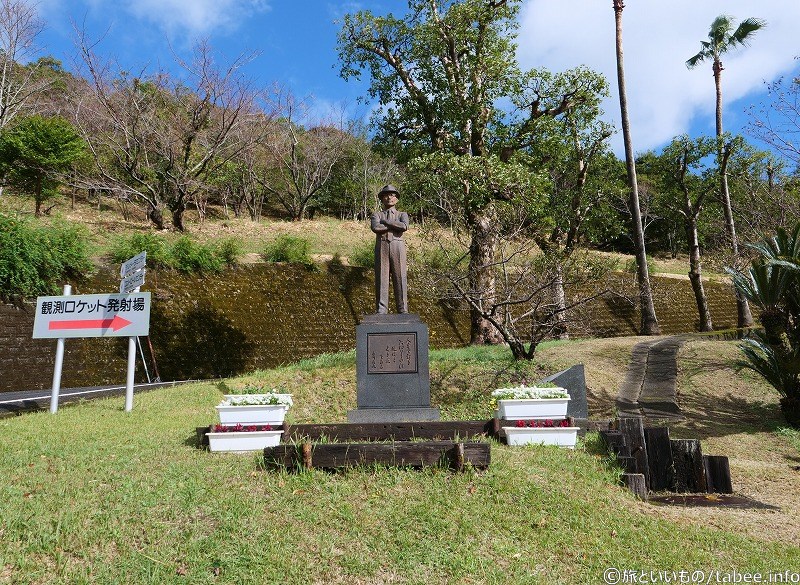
(573,380)
(390,415)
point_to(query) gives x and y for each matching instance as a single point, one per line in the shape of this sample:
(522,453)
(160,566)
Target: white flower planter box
(244,396)
(256,414)
(559,436)
(234,441)
(532,408)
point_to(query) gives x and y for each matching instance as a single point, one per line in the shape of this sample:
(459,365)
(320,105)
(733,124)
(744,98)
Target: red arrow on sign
(114,324)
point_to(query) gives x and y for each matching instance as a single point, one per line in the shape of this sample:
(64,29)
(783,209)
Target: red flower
(266,428)
(520,423)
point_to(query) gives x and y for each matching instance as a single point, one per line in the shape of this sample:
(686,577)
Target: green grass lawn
(98,495)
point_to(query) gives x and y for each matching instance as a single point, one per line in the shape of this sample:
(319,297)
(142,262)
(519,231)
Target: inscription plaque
(391,353)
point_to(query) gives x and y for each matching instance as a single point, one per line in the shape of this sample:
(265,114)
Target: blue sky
(296,42)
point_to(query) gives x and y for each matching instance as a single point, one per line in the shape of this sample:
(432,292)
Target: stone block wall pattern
(251,317)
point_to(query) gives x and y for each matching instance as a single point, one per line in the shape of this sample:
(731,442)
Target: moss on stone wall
(260,316)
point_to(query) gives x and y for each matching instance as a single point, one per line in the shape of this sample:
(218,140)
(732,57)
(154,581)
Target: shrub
(287,248)
(772,284)
(183,254)
(630,265)
(364,255)
(187,256)
(229,250)
(35,260)
(158,255)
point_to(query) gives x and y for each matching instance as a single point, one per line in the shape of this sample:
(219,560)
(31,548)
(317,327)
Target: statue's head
(388,196)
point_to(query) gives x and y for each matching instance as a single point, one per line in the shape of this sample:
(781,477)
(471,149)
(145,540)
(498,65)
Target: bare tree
(521,305)
(19,27)
(301,161)
(162,139)
(777,123)
(764,191)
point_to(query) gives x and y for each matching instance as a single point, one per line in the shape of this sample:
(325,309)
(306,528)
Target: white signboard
(133,264)
(130,282)
(103,315)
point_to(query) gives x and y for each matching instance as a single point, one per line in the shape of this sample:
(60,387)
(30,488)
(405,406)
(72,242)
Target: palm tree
(773,285)
(722,38)
(649,320)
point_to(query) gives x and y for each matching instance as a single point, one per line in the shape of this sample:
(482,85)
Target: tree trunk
(695,274)
(156,217)
(649,320)
(744,316)
(177,217)
(560,302)
(482,280)
(518,350)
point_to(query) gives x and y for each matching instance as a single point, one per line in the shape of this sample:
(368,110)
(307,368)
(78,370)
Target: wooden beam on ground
(400,431)
(633,431)
(606,424)
(718,474)
(635,482)
(614,441)
(627,463)
(690,474)
(661,468)
(406,454)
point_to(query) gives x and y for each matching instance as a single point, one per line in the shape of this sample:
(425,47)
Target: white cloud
(664,97)
(196,17)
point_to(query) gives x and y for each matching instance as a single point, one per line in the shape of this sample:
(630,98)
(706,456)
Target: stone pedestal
(392,376)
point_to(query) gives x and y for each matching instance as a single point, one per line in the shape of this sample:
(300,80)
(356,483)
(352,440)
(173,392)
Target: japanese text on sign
(60,307)
(97,315)
(392,353)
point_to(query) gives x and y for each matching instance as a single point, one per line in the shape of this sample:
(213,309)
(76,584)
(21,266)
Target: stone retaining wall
(266,315)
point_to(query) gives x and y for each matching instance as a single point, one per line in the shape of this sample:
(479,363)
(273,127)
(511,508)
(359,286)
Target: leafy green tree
(438,75)
(649,319)
(723,38)
(36,151)
(684,180)
(469,184)
(572,152)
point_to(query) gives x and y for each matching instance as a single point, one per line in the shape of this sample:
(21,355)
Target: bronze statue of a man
(390,252)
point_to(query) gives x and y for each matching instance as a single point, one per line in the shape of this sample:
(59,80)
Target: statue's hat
(389,189)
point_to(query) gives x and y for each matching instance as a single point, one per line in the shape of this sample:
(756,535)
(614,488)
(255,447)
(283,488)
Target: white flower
(529,393)
(268,399)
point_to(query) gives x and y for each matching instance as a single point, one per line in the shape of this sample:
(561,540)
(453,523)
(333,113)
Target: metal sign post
(56,387)
(131,370)
(132,274)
